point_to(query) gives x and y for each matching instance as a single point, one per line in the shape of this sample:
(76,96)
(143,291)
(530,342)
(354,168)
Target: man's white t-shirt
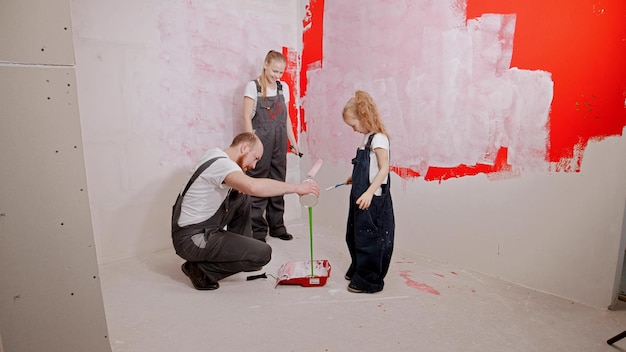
(250,91)
(379,141)
(208,192)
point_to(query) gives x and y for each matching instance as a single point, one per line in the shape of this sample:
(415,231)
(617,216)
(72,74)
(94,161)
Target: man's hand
(308,186)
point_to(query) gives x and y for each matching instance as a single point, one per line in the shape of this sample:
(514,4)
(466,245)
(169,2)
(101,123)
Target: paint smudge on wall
(289,76)
(418,285)
(208,51)
(499,166)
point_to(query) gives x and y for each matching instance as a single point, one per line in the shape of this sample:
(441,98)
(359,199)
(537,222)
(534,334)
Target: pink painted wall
(159,84)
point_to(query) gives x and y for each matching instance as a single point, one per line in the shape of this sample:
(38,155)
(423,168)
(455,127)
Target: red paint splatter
(453,273)
(582,44)
(444,173)
(289,77)
(418,285)
(312,49)
(404,172)
(440,275)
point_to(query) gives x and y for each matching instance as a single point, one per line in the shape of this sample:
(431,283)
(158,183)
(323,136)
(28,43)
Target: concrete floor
(425,306)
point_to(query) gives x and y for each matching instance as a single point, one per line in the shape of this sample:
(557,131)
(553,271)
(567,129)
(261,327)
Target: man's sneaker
(199,280)
(285,236)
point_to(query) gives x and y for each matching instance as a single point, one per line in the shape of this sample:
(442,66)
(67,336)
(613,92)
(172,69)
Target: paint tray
(303,273)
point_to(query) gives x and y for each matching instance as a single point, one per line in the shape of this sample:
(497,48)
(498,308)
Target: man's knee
(265,253)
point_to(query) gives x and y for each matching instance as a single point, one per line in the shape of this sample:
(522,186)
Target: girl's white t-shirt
(250,91)
(379,141)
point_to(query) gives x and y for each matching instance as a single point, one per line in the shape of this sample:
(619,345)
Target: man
(211,224)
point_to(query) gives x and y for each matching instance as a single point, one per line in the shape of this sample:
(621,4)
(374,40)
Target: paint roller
(310,200)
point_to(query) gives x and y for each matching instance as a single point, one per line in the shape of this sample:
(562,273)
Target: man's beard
(240,163)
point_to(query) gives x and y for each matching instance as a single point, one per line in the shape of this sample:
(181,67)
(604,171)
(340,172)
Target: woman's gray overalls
(269,124)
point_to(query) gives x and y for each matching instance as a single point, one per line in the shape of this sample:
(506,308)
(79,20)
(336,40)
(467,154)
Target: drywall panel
(36,31)
(50,297)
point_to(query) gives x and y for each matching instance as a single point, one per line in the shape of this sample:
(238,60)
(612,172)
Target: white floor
(425,306)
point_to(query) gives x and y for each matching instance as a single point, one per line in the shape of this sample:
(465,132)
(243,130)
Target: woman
(265,113)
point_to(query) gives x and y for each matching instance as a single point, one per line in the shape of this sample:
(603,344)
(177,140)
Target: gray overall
(370,232)
(269,123)
(222,245)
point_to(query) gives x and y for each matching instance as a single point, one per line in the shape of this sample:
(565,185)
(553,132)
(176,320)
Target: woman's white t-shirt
(250,92)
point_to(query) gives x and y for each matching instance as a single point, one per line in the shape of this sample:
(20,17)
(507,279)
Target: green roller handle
(311,238)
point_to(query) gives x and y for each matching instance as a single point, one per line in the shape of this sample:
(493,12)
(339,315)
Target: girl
(371,224)
(265,113)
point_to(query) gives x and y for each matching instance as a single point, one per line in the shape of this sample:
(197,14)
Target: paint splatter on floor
(418,285)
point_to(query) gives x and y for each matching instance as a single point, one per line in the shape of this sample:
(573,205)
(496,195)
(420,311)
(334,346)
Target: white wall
(159,84)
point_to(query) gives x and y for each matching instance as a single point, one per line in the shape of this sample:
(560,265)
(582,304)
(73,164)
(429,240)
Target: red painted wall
(581,43)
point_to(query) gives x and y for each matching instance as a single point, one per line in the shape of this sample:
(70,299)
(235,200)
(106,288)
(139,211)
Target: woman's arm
(248,107)
(292,137)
